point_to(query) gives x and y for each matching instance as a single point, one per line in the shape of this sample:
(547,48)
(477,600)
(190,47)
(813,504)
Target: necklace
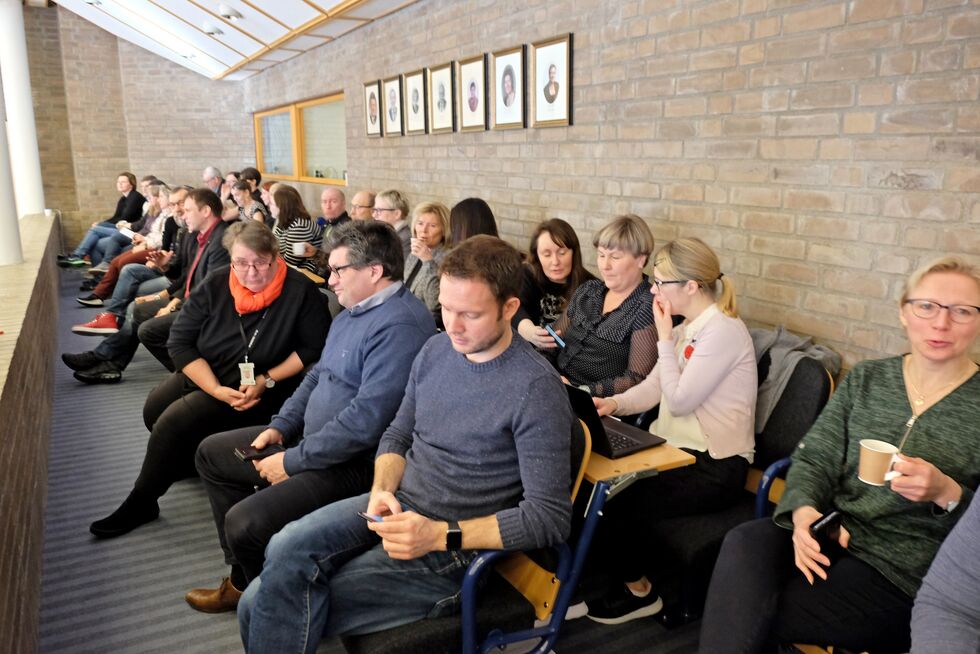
(919,398)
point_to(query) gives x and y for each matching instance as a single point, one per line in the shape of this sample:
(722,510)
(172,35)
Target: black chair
(691,543)
(498,610)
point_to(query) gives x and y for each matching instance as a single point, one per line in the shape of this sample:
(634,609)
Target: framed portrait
(416,118)
(551,82)
(372,108)
(391,96)
(442,114)
(472,94)
(508,88)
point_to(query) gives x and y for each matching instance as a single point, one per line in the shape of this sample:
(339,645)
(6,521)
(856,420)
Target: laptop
(610,437)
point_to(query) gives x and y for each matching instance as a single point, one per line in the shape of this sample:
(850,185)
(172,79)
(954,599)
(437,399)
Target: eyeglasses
(380,209)
(960,313)
(659,283)
(336,270)
(243,266)
(355,207)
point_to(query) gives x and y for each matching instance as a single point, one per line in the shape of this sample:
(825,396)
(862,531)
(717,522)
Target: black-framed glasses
(380,209)
(659,283)
(258,266)
(960,313)
(355,207)
(336,270)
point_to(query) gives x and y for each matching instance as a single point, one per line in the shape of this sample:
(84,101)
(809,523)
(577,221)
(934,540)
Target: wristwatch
(454,537)
(269,381)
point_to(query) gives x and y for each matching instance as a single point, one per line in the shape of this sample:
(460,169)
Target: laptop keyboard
(620,442)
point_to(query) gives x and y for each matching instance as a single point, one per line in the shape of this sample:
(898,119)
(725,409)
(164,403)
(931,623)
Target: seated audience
(250,208)
(392,207)
(610,340)
(128,208)
(333,572)
(187,267)
(231,179)
(331,425)
(468,218)
(946,614)
(552,273)
(213,179)
(430,226)
(705,384)
(333,211)
(857,593)
(239,347)
(362,205)
(294,226)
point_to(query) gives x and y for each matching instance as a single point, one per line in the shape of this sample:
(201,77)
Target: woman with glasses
(774,583)
(705,385)
(553,272)
(239,346)
(610,341)
(294,227)
(392,207)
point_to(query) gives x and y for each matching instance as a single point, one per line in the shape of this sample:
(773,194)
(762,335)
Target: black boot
(135,511)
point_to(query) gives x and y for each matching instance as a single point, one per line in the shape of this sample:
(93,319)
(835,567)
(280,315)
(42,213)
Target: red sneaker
(104,323)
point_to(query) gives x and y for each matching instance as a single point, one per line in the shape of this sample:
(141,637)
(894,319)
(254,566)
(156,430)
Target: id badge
(248,373)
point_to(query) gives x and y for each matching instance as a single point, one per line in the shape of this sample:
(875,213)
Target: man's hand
(271,468)
(169,308)
(383,503)
(160,259)
(923,482)
(409,535)
(806,549)
(268,437)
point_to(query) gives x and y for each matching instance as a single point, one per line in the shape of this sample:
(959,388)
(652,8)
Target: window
(306,141)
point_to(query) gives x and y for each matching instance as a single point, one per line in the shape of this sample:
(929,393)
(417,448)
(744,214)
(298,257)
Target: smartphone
(826,531)
(554,335)
(369,517)
(128,233)
(249,453)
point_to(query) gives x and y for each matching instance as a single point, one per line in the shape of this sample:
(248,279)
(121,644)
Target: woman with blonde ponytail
(705,384)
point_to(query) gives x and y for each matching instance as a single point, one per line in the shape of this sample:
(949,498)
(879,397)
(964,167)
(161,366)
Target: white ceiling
(268,32)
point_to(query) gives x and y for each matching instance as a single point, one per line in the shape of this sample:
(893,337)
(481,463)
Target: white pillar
(10,251)
(21,130)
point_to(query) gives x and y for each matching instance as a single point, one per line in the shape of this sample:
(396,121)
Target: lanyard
(255,334)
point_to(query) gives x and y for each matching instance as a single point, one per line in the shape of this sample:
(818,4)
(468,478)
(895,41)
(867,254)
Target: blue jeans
(327,574)
(129,286)
(109,246)
(92,237)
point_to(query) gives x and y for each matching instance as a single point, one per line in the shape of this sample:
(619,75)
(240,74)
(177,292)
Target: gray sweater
(488,438)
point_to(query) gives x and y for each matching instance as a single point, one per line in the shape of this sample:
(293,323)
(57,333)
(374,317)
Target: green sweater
(896,536)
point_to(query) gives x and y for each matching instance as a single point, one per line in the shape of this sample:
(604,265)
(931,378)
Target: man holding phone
(331,425)
(476,458)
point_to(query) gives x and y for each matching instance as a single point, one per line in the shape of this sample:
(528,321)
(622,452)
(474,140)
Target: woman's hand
(923,482)
(227,395)
(536,336)
(806,549)
(662,318)
(421,250)
(252,393)
(309,250)
(605,406)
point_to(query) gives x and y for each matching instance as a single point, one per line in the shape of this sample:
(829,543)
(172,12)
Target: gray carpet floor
(127,594)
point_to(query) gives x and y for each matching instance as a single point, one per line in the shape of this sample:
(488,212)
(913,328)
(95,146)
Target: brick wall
(824,148)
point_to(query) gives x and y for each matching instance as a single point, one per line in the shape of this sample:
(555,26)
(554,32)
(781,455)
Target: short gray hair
(370,242)
(211,172)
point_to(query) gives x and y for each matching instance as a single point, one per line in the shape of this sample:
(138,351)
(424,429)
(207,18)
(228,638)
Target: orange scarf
(248,302)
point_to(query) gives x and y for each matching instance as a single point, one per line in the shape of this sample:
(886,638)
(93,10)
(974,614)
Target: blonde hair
(441,212)
(691,259)
(628,233)
(948,263)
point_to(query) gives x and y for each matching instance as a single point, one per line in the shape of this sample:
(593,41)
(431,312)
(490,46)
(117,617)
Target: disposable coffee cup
(876,459)
(299,249)
(49,213)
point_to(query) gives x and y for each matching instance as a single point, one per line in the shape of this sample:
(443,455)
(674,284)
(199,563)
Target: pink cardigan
(718,385)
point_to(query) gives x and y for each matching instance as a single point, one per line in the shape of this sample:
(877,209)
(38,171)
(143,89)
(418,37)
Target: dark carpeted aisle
(127,594)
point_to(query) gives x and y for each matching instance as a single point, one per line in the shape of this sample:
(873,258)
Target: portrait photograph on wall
(391,95)
(507,86)
(551,81)
(441,107)
(415,103)
(372,108)
(472,94)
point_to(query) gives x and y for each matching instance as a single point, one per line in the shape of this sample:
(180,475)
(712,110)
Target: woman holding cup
(857,593)
(430,231)
(298,234)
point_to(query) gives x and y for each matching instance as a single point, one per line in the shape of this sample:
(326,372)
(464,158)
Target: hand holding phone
(554,335)
(369,517)
(826,531)
(249,453)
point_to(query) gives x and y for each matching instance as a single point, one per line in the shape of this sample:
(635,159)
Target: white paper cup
(299,249)
(876,459)
(49,213)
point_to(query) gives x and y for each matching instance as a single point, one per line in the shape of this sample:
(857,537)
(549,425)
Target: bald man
(361,205)
(332,203)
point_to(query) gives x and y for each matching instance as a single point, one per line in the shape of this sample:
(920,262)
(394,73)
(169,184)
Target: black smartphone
(249,453)
(826,531)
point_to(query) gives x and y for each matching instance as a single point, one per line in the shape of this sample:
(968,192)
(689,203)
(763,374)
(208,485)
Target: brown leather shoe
(215,600)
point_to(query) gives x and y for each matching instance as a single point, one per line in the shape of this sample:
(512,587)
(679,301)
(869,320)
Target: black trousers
(624,543)
(180,416)
(248,511)
(758,599)
(154,334)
